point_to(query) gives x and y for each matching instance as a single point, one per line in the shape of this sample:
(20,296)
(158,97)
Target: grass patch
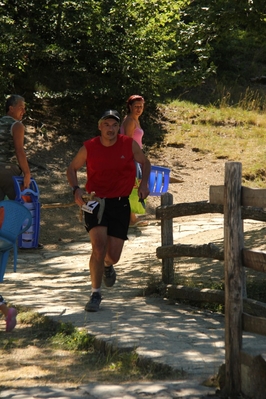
(41,351)
(226,132)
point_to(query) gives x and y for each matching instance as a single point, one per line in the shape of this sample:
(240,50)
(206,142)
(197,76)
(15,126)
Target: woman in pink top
(131,127)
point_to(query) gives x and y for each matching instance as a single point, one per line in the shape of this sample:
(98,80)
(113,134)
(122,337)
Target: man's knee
(112,257)
(98,253)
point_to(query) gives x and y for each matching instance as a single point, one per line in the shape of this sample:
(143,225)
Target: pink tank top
(137,135)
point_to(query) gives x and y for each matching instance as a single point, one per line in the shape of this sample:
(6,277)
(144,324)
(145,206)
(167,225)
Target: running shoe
(94,303)
(109,276)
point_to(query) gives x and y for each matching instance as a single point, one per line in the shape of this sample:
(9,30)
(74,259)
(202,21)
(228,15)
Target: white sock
(96,290)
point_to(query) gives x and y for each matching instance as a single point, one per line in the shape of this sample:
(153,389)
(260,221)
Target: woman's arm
(129,126)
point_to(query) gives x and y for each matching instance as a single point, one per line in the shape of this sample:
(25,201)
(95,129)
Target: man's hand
(78,196)
(26,181)
(143,191)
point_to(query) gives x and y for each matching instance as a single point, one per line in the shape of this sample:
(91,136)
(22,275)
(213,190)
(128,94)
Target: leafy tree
(91,53)
(105,49)
(220,36)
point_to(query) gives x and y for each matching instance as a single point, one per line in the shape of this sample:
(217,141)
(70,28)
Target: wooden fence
(241,314)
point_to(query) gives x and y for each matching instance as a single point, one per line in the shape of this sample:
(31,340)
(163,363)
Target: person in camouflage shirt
(13,160)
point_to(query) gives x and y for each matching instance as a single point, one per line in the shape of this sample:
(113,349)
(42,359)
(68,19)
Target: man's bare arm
(140,157)
(18,139)
(75,165)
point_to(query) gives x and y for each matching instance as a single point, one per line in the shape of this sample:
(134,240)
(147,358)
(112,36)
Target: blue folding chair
(15,221)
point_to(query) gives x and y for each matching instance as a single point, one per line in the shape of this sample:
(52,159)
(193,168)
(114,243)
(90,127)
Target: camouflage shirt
(7,150)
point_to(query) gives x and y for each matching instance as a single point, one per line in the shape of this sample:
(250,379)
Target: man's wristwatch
(74,189)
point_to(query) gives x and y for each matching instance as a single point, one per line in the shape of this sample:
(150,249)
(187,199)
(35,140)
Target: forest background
(86,54)
(71,59)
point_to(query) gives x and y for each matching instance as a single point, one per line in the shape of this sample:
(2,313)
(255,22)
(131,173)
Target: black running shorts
(115,217)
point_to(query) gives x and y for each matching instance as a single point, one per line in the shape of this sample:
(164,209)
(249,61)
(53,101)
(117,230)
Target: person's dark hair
(132,99)
(13,100)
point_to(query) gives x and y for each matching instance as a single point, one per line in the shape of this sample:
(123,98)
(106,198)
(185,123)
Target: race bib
(90,206)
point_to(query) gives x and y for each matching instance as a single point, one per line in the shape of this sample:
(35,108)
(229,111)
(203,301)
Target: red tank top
(110,170)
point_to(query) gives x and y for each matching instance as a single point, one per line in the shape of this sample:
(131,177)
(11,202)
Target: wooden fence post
(233,245)
(167,239)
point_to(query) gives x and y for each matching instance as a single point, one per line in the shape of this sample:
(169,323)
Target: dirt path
(193,171)
(61,225)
